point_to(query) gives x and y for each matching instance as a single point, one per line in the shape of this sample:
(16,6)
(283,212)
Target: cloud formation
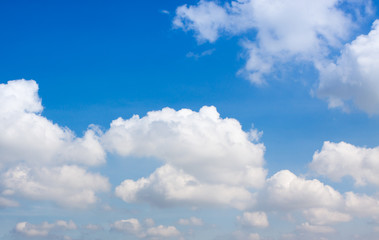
(354,76)
(337,160)
(184,140)
(284,30)
(39,159)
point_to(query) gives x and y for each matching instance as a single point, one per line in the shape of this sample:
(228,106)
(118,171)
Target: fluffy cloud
(286,191)
(38,158)
(68,185)
(168,186)
(336,160)
(134,227)
(284,29)
(354,76)
(323,216)
(29,137)
(202,153)
(43,229)
(362,205)
(254,219)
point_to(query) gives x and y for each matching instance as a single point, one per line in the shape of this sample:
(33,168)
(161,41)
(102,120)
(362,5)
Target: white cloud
(168,186)
(186,140)
(191,221)
(254,219)
(201,152)
(285,29)
(336,160)
(38,158)
(362,205)
(354,76)
(323,216)
(93,227)
(29,137)
(68,185)
(162,231)
(315,228)
(42,230)
(286,191)
(133,226)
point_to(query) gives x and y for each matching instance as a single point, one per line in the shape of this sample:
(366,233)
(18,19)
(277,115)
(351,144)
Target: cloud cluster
(284,30)
(41,160)
(206,161)
(290,31)
(184,140)
(354,76)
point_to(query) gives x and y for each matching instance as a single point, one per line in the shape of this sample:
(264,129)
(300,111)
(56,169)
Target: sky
(235,120)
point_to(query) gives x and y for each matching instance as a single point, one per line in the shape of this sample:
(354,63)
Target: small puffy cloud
(68,185)
(354,76)
(42,230)
(323,216)
(191,221)
(30,230)
(202,154)
(336,160)
(132,226)
(315,228)
(254,219)
(283,30)
(162,231)
(93,227)
(286,191)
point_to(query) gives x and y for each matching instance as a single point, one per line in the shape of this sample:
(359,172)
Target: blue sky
(257,119)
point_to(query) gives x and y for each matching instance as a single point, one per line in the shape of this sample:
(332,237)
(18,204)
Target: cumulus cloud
(134,227)
(254,219)
(29,137)
(68,185)
(354,76)
(43,229)
(38,159)
(168,186)
(202,153)
(336,160)
(284,30)
(286,191)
